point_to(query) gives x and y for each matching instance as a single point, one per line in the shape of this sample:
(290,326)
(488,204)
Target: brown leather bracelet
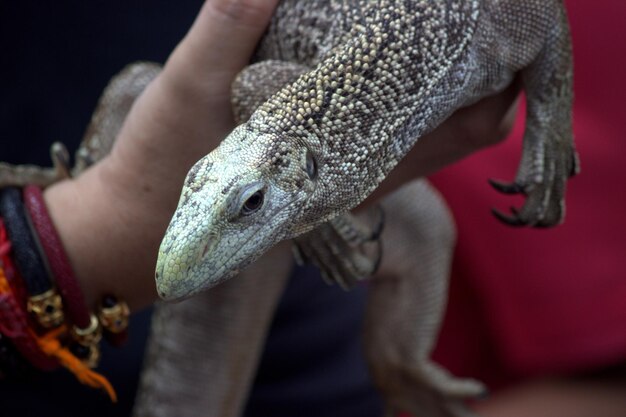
(58,261)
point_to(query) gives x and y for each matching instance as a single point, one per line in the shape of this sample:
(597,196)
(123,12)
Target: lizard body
(379,75)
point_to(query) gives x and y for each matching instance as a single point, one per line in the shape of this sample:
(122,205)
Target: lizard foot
(429,390)
(543,185)
(345,249)
(549,156)
(21,175)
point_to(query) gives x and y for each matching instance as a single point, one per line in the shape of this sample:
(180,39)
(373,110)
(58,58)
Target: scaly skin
(384,73)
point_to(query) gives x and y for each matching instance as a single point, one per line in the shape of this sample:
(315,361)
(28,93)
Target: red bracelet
(47,351)
(13,320)
(11,274)
(57,259)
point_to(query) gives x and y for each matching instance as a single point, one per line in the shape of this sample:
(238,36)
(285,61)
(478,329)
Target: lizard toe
(506,188)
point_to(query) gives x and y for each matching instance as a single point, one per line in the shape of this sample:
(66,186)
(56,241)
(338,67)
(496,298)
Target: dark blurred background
(55,60)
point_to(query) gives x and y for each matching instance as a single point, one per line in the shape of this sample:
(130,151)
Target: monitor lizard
(368,78)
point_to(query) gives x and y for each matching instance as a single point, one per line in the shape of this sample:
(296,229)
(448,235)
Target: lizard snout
(180,265)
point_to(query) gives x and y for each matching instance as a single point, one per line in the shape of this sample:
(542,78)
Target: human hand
(113,217)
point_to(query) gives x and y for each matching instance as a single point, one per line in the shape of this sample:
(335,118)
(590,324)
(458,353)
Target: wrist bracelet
(114,315)
(12,276)
(43,300)
(58,261)
(14,325)
(29,239)
(85,330)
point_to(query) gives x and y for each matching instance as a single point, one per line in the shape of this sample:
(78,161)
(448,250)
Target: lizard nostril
(205,250)
(211,241)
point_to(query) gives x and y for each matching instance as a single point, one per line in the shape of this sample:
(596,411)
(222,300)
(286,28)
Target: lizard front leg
(406,303)
(22,175)
(548,157)
(345,249)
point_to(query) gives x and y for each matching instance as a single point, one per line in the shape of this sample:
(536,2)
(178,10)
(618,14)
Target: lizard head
(236,203)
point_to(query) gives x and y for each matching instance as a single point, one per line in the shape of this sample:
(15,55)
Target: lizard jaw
(178,272)
(179,287)
(204,257)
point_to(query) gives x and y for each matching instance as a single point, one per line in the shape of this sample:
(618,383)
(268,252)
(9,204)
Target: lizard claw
(513,220)
(511,188)
(299,256)
(379,223)
(574,165)
(60,160)
(345,249)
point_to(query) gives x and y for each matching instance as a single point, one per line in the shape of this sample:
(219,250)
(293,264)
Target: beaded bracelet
(43,299)
(114,316)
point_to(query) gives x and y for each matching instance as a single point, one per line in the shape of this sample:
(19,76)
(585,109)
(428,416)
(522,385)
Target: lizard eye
(253,203)
(311,166)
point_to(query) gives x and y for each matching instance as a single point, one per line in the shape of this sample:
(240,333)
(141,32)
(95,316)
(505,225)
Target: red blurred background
(527,303)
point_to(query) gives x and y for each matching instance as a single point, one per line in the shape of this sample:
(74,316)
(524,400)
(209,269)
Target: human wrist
(45,313)
(106,240)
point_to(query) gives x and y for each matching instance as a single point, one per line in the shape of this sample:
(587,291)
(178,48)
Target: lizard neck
(362,108)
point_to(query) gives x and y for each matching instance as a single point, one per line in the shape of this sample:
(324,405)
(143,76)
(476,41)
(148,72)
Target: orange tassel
(5,294)
(50,345)
(5,288)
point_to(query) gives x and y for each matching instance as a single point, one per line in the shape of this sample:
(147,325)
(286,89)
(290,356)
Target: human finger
(219,43)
